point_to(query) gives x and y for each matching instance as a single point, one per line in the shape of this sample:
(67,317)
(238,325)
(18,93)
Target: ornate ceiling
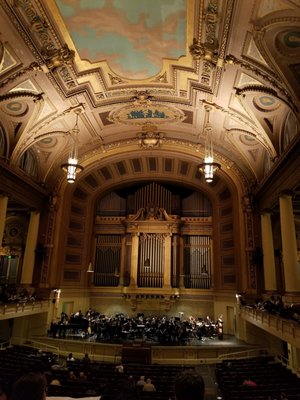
(141,73)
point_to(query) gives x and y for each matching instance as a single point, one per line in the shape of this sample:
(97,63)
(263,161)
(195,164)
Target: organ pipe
(107,260)
(152,249)
(153,194)
(197,260)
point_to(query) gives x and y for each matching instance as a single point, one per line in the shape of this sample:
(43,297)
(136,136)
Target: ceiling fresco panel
(133,36)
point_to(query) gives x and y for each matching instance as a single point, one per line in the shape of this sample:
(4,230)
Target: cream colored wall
(240,327)
(69,302)
(29,326)
(227,310)
(149,307)
(257,336)
(195,308)
(110,304)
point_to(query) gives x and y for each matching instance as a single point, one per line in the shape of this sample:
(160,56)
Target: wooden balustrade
(284,329)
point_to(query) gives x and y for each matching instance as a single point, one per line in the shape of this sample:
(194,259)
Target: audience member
(249,382)
(16,294)
(58,366)
(189,385)
(148,386)
(276,306)
(86,359)
(55,382)
(82,377)
(3,393)
(141,382)
(283,396)
(70,357)
(31,386)
(72,376)
(129,387)
(119,369)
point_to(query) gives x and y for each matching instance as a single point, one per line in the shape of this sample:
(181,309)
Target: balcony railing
(11,310)
(284,329)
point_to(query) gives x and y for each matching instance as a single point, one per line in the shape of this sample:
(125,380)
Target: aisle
(211,388)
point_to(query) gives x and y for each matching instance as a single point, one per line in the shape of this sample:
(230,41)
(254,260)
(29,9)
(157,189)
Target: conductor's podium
(136,353)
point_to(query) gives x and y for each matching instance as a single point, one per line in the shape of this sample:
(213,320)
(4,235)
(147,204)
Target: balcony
(13,310)
(284,329)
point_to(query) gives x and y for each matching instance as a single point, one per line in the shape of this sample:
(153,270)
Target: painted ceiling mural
(143,73)
(133,36)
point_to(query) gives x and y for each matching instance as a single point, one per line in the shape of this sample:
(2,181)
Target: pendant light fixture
(72,168)
(208,167)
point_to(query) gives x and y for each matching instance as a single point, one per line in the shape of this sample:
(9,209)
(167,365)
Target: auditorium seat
(271,377)
(101,376)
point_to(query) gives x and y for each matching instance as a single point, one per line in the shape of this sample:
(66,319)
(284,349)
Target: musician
(210,327)
(53,329)
(78,314)
(162,332)
(64,318)
(182,334)
(89,313)
(165,330)
(219,326)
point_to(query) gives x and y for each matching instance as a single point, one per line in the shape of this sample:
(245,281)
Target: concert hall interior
(149,176)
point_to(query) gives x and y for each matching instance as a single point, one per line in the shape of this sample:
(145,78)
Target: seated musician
(64,318)
(78,314)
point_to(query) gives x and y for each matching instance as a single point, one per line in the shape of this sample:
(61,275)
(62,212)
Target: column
(174,268)
(134,260)
(167,267)
(289,244)
(3,209)
(268,251)
(122,261)
(29,254)
(181,263)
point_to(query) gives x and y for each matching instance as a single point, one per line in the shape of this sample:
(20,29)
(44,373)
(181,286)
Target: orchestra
(120,328)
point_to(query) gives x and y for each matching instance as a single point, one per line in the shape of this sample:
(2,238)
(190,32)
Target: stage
(194,351)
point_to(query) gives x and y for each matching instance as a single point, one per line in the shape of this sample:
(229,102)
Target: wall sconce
(72,167)
(90,268)
(208,167)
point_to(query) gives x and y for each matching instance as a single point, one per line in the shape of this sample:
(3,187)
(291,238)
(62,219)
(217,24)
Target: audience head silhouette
(30,386)
(189,385)
(3,395)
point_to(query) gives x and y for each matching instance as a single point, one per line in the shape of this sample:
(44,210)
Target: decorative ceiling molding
(271,78)
(139,114)
(235,73)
